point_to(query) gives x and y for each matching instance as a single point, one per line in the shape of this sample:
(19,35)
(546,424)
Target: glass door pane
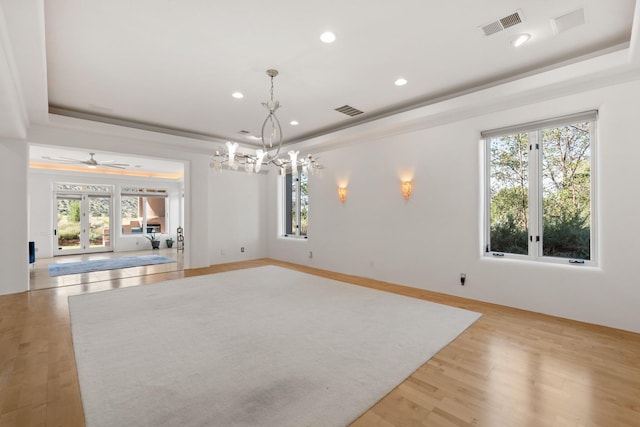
(83,223)
(68,225)
(99,218)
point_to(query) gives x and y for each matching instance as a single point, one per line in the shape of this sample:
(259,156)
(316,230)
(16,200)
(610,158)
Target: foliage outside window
(540,189)
(68,222)
(296,212)
(84,187)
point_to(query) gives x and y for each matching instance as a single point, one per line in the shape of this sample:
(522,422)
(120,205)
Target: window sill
(551,262)
(293,238)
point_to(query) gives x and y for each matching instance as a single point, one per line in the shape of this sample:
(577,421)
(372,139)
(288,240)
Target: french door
(82,223)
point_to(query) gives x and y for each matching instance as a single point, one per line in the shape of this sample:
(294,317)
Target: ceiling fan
(91,162)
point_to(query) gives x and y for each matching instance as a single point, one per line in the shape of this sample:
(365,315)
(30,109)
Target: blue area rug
(63,269)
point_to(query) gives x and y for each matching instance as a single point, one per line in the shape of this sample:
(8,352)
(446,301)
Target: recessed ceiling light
(294,123)
(520,40)
(328,37)
(401,82)
(237,95)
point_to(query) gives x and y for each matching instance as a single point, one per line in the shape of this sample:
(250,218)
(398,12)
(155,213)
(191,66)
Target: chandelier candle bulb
(293,157)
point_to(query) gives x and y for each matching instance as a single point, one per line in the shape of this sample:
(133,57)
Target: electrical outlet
(242,249)
(463,278)
(310,254)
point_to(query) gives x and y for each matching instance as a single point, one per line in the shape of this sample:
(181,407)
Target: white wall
(238,216)
(197,216)
(14,249)
(428,241)
(41,207)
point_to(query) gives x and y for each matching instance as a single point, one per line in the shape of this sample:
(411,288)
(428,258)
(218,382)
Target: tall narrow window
(566,190)
(509,190)
(539,189)
(296,210)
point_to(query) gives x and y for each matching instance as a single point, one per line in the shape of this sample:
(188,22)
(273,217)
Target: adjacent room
(351,214)
(81,212)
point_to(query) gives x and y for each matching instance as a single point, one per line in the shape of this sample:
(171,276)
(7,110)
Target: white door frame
(83,196)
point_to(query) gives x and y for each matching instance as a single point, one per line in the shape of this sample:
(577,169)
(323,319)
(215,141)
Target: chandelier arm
(271,157)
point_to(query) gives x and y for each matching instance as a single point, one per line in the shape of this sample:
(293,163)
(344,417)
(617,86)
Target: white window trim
(535,197)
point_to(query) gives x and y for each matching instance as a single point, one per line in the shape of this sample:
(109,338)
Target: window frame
(143,194)
(535,226)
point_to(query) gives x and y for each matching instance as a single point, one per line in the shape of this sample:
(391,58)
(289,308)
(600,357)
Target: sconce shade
(342,193)
(406,189)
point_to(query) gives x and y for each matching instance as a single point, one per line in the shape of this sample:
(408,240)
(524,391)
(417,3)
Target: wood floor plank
(510,368)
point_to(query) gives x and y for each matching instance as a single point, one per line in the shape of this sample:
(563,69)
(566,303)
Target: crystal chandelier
(271,137)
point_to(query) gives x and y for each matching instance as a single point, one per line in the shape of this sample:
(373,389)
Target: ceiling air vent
(511,20)
(567,21)
(349,110)
(508,21)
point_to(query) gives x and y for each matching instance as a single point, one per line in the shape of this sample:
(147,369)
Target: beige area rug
(265,346)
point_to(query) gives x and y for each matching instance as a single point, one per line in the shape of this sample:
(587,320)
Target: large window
(296,210)
(540,190)
(143,210)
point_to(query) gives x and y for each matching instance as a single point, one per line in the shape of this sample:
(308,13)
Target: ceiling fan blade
(62,159)
(91,162)
(113,164)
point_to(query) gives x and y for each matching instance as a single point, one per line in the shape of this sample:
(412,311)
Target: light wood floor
(510,368)
(39,277)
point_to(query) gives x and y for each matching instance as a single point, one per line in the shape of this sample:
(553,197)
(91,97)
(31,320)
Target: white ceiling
(172,65)
(175,63)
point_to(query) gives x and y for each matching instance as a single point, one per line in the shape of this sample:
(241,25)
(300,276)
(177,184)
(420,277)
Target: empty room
(339,214)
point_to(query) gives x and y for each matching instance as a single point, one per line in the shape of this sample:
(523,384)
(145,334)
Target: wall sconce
(342,193)
(406,189)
